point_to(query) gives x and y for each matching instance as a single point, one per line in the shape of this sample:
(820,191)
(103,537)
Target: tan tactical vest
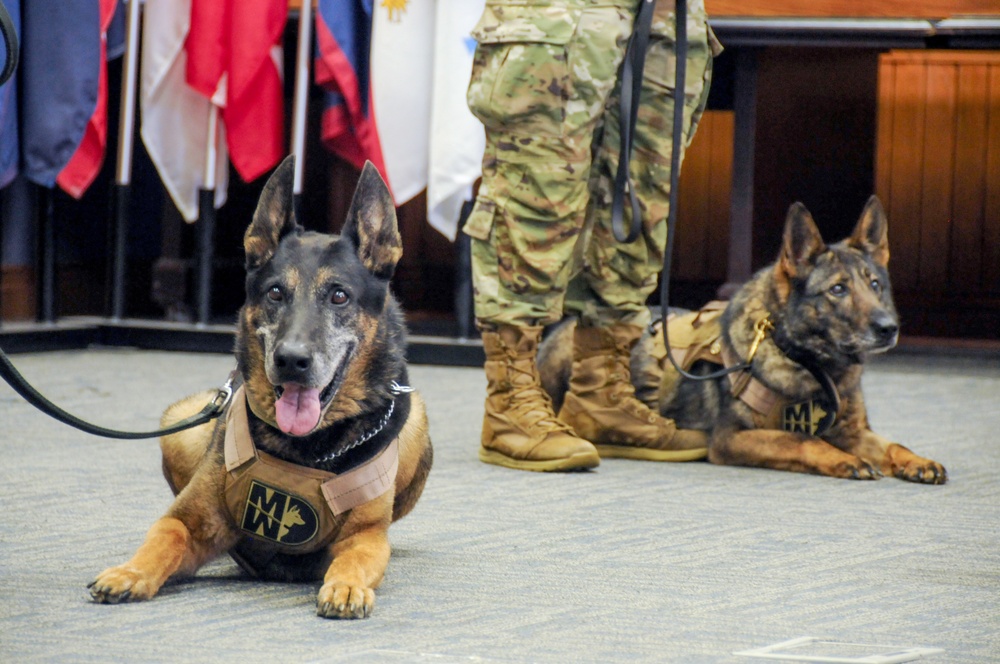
(698,336)
(287,508)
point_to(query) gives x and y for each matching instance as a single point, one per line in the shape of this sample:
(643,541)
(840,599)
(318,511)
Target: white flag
(457,137)
(402,49)
(175,117)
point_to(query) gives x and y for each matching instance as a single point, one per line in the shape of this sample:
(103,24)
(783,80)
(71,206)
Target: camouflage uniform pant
(544,84)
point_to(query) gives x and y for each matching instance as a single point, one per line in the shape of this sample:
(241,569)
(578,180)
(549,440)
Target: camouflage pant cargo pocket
(521,71)
(521,266)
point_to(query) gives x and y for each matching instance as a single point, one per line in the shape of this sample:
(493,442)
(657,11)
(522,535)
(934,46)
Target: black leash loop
(677,135)
(628,112)
(212,409)
(11,49)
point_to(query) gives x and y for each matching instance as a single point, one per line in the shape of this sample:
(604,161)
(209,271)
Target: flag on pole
(343,45)
(63,73)
(402,53)
(457,136)
(174,116)
(78,174)
(234,51)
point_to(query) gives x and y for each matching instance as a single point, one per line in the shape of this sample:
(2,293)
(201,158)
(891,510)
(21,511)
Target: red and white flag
(175,118)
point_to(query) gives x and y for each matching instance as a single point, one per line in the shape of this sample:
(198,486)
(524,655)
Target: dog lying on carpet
(803,327)
(324,443)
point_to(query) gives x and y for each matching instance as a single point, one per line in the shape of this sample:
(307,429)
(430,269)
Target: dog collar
(396,389)
(814,416)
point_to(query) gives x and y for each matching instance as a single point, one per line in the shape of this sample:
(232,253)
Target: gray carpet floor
(632,562)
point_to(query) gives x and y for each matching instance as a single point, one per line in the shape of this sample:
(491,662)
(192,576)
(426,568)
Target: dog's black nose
(292,357)
(885,326)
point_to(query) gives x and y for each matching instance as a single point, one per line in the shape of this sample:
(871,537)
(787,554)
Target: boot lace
(528,402)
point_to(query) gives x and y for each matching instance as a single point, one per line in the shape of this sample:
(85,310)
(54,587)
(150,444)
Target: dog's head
(313,304)
(836,300)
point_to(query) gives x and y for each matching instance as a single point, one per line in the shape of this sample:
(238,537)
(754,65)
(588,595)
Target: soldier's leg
(541,77)
(609,294)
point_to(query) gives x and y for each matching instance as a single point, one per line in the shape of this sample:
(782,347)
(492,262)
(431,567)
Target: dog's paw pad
(337,600)
(118,584)
(924,472)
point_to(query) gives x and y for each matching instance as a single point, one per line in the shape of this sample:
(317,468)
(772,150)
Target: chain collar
(396,389)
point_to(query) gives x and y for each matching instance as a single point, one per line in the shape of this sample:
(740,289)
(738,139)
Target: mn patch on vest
(803,417)
(277,516)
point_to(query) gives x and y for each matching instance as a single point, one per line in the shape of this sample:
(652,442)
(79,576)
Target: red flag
(234,49)
(86,162)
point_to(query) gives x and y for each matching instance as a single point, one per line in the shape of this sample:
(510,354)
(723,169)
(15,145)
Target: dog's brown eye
(876,285)
(339,297)
(275,294)
(838,290)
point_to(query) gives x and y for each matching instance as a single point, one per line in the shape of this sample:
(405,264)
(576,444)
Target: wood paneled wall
(701,245)
(938,171)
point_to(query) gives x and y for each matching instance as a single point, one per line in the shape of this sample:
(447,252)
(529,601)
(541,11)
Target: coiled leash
(631,87)
(211,411)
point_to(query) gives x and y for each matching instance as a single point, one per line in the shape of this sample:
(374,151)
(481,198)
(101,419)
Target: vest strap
(342,492)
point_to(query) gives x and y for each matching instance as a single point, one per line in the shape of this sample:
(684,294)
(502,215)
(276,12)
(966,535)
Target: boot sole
(644,454)
(579,461)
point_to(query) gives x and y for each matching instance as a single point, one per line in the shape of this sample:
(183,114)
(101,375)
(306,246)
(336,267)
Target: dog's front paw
(120,584)
(339,600)
(856,469)
(922,470)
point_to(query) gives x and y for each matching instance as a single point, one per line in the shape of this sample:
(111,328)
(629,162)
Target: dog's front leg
(166,550)
(177,544)
(359,562)
(898,461)
(780,450)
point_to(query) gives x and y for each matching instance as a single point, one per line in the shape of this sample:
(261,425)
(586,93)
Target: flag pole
(299,110)
(123,172)
(206,218)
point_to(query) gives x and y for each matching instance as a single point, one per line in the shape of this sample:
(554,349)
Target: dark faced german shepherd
(809,319)
(320,350)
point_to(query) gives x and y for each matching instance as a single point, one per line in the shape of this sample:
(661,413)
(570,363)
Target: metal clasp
(760,330)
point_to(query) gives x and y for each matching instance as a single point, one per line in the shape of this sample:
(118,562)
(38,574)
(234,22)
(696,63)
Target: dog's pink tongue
(297,411)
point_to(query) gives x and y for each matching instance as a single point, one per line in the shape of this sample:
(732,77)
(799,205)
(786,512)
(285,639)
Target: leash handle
(628,112)
(11,50)
(212,409)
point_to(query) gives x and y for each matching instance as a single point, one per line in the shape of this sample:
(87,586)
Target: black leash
(11,49)
(628,111)
(632,71)
(212,409)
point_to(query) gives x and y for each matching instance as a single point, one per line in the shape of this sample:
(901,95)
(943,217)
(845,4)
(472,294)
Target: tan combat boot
(520,429)
(601,405)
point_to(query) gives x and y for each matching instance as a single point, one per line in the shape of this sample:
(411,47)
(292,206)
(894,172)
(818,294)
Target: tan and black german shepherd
(808,319)
(324,396)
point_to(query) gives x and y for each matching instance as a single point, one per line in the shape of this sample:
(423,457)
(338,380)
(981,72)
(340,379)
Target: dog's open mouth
(298,409)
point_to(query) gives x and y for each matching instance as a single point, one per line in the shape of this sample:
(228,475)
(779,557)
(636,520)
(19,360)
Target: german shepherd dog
(320,351)
(806,321)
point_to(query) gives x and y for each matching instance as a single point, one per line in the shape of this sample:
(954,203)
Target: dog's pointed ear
(800,245)
(274,217)
(371,224)
(871,235)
